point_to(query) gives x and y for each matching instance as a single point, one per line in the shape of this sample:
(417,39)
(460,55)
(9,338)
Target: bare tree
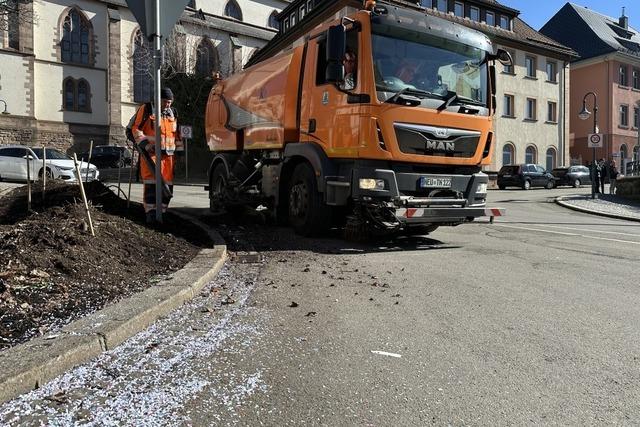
(15,13)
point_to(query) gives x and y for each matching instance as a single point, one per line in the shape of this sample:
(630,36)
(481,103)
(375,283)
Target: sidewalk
(605,205)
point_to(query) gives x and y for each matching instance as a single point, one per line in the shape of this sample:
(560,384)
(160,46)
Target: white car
(13,164)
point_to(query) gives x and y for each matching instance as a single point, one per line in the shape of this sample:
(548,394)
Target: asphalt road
(530,320)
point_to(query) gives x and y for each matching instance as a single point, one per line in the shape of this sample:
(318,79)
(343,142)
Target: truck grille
(436,141)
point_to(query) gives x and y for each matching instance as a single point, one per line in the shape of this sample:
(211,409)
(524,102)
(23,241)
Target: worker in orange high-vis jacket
(143,131)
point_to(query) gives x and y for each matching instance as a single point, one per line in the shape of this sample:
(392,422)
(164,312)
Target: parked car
(13,164)
(108,156)
(572,175)
(524,176)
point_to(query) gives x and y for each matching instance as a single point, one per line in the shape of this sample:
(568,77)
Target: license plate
(429,182)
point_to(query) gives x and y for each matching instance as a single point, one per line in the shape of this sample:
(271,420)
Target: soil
(53,271)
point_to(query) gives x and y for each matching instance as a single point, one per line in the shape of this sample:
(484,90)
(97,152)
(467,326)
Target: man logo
(440,146)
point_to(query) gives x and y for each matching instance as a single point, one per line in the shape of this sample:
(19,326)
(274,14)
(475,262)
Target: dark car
(572,175)
(524,176)
(109,156)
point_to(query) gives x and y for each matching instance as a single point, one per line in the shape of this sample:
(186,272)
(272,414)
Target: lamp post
(584,115)
(5,107)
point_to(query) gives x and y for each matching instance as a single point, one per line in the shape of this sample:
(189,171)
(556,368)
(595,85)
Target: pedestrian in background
(613,176)
(604,173)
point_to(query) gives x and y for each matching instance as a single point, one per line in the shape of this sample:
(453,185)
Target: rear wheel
(526,184)
(49,173)
(550,184)
(308,214)
(217,185)
(576,183)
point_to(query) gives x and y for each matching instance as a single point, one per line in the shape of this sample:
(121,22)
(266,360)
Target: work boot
(151,217)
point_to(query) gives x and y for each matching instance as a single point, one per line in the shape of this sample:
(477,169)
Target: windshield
(52,154)
(427,66)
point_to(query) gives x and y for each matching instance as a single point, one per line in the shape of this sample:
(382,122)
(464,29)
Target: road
(530,320)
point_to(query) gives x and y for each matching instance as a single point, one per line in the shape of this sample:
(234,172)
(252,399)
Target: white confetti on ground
(147,380)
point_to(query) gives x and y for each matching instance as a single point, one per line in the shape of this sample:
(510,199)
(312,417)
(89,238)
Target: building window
(551,159)
(508,106)
(76,95)
(490,19)
(206,58)
(508,154)
(441,5)
(636,117)
(474,14)
(458,9)
(504,22)
(530,109)
(12,16)
(622,75)
(530,155)
(142,71)
(509,69)
(309,5)
(623,151)
(285,24)
(232,10)
(273,20)
(636,78)
(624,115)
(192,4)
(551,71)
(302,11)
(530,64)
(292,19)
(76,38)
(552,111)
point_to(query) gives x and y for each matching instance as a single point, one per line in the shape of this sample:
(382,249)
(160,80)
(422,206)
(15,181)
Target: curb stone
(28,366)
(560,200)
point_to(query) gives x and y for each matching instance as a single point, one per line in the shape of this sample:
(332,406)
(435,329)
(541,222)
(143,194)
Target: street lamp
(584,115)
(5,107)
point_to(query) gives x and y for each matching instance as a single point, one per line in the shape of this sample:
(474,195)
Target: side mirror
(336,47)
(504,57)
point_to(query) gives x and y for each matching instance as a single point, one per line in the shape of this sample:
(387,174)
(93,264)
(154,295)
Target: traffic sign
(595,140)
(186,132)
(145,13)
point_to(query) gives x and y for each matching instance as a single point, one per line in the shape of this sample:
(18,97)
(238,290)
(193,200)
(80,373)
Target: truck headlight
(482,188)
(371,184)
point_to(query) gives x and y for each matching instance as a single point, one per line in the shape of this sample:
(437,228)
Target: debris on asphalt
(293,304)
(311,314)
(385,353)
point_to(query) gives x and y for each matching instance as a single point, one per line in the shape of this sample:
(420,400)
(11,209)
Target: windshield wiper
(453,96)
(409,90)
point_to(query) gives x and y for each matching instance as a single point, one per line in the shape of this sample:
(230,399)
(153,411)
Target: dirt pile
(52,270)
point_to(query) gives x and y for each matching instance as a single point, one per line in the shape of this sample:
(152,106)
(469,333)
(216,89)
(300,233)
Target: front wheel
(576,183)
(526,185)
(49,173)
(550,185)
(308,214)
(217,185)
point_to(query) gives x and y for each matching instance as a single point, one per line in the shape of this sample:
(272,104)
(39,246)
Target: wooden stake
(133,154)
(44,172)
(28,182)
(89,160)
(84,197)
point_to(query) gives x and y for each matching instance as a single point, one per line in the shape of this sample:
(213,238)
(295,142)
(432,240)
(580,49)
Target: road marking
(593,231)
(384,353)
(568,234)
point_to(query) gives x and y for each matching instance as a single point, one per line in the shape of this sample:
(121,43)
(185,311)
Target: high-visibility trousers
(149,181)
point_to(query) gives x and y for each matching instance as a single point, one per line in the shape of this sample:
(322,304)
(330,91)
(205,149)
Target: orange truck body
(283,101)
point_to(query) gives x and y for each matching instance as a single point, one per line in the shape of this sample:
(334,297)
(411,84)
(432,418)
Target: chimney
(623,21)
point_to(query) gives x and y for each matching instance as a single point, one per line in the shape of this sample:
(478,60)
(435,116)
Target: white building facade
(79,71)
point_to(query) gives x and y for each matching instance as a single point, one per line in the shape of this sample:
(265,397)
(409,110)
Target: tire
(49,173)
(526,185)
(218,182)
(550,185)
(120,163)
(308,214)
(576,183)
(502,187)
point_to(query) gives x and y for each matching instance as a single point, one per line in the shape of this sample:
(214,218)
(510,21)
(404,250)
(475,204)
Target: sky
(537,12)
